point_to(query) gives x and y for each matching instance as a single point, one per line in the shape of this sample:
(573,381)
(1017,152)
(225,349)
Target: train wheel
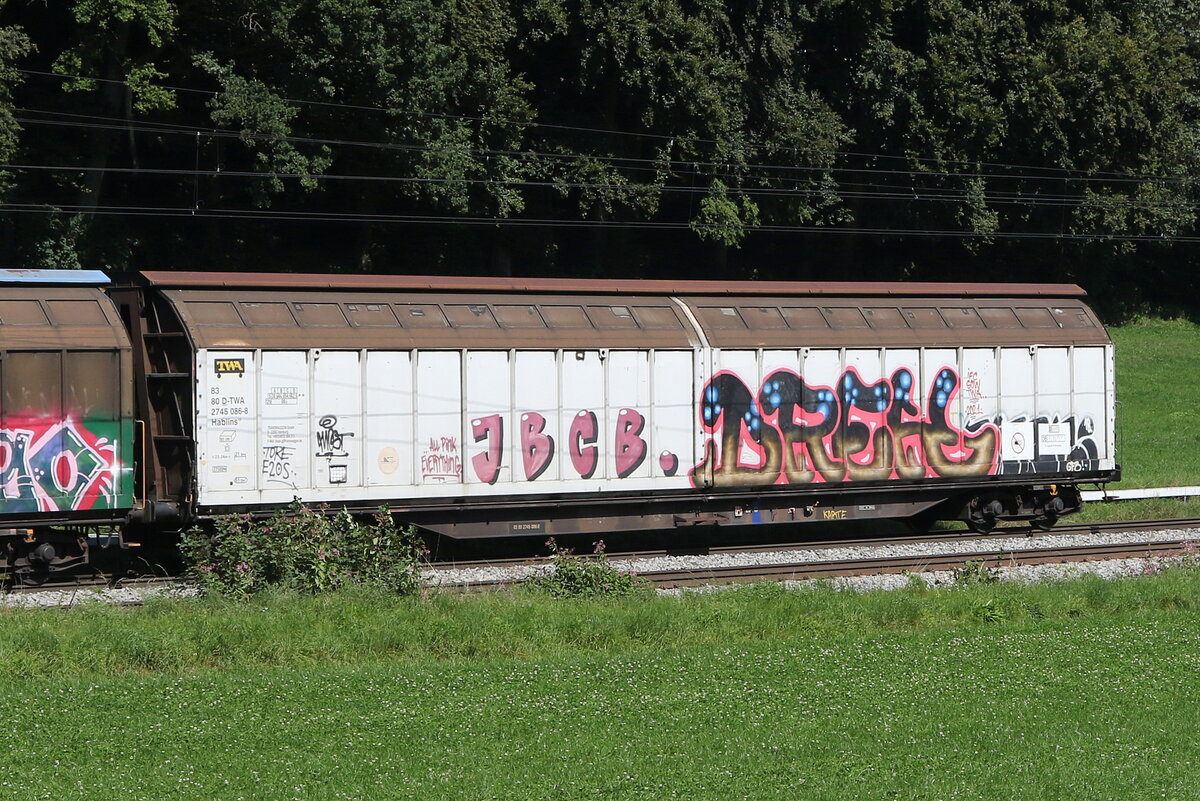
(984,515)
(1050,513)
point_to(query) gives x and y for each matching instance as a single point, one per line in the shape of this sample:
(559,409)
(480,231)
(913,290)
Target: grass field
(1084,689)
(1048,712)
(1158,436)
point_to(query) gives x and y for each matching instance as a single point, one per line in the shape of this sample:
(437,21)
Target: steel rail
(921,563)
(94,583)
(913,564)
(956,535)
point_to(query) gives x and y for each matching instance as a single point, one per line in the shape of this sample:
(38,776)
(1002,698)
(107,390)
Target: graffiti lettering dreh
(796,433)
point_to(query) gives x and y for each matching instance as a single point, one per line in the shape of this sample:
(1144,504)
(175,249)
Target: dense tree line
(1052,140)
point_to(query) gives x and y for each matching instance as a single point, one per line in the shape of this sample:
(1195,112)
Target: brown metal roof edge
(168,278)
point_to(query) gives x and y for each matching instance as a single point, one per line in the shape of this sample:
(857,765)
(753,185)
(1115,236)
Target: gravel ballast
(435,577)
(1014,544)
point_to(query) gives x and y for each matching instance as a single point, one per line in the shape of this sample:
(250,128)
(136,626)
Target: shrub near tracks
(303,549)
(574,576)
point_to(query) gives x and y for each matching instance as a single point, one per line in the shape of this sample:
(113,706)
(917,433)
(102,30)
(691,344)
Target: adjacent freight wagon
(498,407)
(67,423)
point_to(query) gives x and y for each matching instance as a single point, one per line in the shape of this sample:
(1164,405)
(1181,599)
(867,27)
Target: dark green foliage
(303,549)
(14,46)
(984,140)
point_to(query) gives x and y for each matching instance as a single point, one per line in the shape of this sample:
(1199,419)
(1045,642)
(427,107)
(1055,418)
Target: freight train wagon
(500,407)
(67,423)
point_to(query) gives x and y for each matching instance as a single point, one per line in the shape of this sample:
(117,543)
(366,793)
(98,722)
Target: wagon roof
(70,317)
(49,277)
(171,278)
(240,311)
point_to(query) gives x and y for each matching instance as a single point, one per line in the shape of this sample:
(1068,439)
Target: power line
(620,162)
(220,133)
(897,193)
(294,216)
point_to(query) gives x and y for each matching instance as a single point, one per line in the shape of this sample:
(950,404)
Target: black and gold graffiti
(858,431)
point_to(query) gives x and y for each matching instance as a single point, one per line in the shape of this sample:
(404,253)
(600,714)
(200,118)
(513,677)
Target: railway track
(958,535)
(767,570)
(67,599)
(799,571)
(95,584)
(694,575)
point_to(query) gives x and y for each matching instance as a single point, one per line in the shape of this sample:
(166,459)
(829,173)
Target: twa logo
(230,366)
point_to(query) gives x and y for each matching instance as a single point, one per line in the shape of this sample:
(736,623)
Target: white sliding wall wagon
(493,407)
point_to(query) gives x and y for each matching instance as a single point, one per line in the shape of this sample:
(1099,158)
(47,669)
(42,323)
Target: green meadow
(1158,430)
(1077,689)
(1073,689)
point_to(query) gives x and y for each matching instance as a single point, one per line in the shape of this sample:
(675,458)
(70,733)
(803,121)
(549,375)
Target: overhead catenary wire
(900,194)
(298,216)
(750,179)
(679,166)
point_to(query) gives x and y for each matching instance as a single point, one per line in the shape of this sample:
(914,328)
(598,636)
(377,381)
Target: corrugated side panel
(357,425)
(338,383)
(585,417)
(65,434)
(1093,446)
(439,424)
(389,437)
(1110,363)
(227,425)
(285,425)
(673,415)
